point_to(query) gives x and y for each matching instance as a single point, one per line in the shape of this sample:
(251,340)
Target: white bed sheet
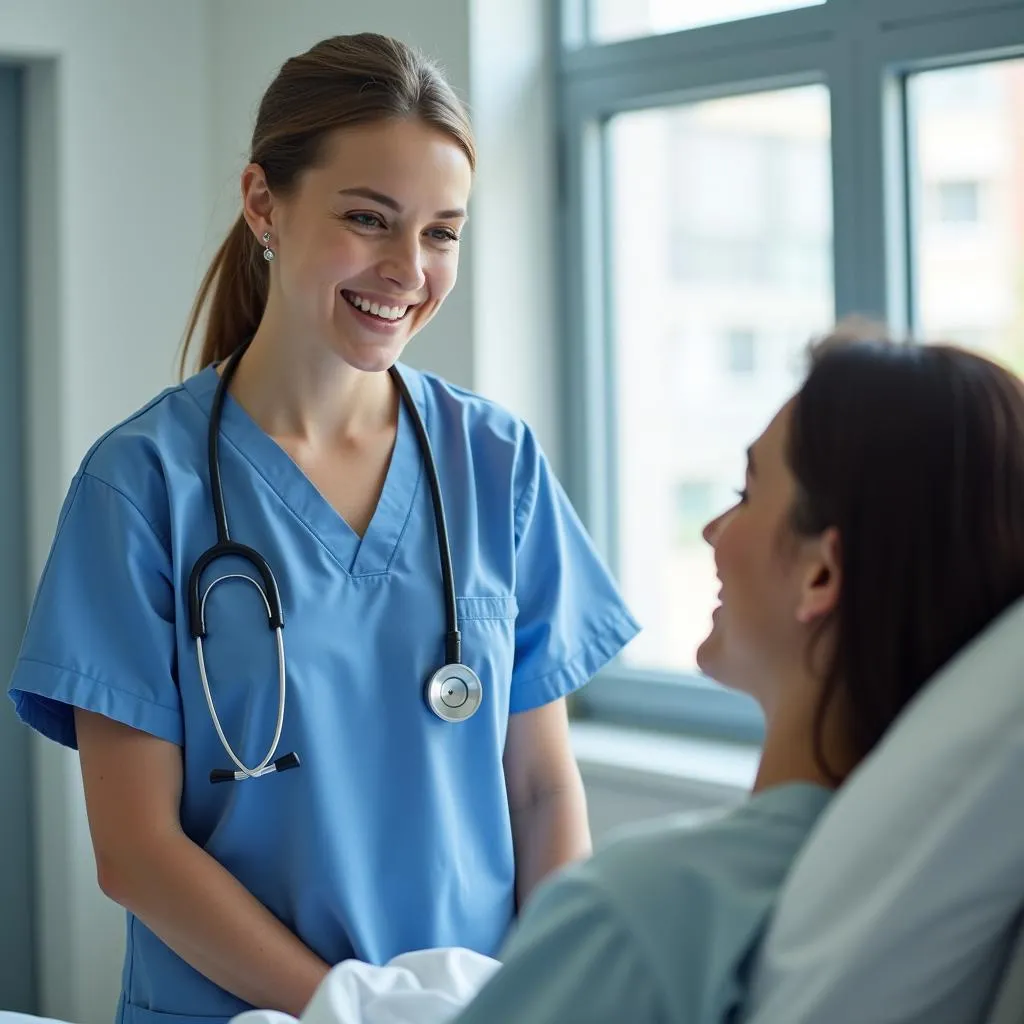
(424,987)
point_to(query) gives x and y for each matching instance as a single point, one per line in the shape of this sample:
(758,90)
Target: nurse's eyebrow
(394,204)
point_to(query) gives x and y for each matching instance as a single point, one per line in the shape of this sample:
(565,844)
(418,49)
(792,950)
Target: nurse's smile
(386,310)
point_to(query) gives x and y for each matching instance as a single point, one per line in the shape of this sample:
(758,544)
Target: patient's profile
(879,529)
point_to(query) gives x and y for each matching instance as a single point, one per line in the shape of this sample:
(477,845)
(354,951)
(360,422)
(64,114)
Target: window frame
(863,51)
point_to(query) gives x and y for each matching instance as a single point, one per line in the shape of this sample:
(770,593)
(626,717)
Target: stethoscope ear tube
(453,640)
(453,692)
(224,549)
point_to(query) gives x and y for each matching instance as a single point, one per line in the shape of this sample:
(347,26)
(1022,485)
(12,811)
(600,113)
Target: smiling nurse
(383,523)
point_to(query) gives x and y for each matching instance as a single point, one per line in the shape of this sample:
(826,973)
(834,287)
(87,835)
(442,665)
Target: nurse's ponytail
(235,286)
(341,82)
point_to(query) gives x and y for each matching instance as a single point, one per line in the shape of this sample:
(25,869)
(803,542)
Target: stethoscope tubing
(225,547)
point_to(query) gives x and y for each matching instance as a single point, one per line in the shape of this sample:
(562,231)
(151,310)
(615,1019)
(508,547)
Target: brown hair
(340,83)
(915,454)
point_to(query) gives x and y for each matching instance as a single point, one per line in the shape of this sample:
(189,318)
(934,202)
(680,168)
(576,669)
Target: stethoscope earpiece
(453,692)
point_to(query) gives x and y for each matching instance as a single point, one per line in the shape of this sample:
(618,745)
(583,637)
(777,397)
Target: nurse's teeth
(375,309)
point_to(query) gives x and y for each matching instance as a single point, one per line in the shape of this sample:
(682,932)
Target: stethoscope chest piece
(454,692)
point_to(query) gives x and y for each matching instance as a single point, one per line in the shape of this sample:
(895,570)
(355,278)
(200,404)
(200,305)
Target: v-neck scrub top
(394,834)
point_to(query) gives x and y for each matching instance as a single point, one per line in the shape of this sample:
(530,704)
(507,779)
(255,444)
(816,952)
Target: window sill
(713,770)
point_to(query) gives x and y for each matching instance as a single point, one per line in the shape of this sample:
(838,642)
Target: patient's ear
(821,578)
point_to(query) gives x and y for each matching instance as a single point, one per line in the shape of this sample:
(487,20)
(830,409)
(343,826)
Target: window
(737,174)
(623,19)
(958,202)
(740,353)
(748,187)
(968,237)
(739,189)
(696,502)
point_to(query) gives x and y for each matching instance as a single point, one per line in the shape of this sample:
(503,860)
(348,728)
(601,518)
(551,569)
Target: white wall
(140,114)
(514,245)
(117,208)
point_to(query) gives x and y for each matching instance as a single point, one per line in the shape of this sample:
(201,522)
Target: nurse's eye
(446,236)
(365,220)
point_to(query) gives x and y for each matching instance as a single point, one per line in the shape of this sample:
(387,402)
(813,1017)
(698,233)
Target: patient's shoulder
(750,844)
(703,892)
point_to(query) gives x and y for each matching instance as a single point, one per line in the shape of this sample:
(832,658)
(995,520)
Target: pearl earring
(268,253)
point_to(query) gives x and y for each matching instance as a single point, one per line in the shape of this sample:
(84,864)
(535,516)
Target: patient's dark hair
(915,454)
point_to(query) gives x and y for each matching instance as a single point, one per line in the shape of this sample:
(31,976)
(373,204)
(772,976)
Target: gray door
(17,939)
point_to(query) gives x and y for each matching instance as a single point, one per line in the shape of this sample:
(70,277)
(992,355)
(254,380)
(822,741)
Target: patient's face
(759,631)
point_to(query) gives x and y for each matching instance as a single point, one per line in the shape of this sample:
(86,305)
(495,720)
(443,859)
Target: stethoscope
(453,692)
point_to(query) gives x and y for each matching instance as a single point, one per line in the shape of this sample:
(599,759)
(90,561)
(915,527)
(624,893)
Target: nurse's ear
(821,576)
(257,201)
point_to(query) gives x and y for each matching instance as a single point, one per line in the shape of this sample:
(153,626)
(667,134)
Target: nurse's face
(776,586)
(367,245)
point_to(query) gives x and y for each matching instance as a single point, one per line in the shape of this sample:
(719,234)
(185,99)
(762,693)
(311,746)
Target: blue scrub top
(394,834)
(659,927)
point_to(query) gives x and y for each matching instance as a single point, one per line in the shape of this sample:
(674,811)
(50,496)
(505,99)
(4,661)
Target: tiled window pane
(967,187)
(721,252)
(612,20)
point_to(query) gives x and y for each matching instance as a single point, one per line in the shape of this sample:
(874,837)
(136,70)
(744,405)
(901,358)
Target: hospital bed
(906,904)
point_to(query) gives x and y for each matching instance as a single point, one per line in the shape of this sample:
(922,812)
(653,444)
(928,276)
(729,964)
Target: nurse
(392,823)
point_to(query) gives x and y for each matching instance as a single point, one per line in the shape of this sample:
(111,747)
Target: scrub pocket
(488,627)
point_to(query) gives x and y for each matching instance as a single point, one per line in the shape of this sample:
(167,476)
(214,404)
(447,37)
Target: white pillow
(901,904)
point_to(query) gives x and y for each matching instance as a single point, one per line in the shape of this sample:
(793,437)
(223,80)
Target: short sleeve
(569,961)
(572,619)
(101,633)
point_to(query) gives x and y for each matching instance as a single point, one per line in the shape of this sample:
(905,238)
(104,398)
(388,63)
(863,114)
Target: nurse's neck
(310,395)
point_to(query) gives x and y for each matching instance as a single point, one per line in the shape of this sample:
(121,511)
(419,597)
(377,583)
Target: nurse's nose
(402,263)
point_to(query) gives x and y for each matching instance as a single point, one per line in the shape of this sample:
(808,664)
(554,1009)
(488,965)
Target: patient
(880,528)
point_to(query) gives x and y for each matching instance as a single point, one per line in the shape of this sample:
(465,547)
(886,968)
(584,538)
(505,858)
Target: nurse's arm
(546,798)
(146,863)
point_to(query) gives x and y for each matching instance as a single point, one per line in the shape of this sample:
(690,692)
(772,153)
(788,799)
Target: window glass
(721,272)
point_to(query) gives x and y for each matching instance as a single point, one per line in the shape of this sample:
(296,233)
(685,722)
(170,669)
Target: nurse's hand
(146,863)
